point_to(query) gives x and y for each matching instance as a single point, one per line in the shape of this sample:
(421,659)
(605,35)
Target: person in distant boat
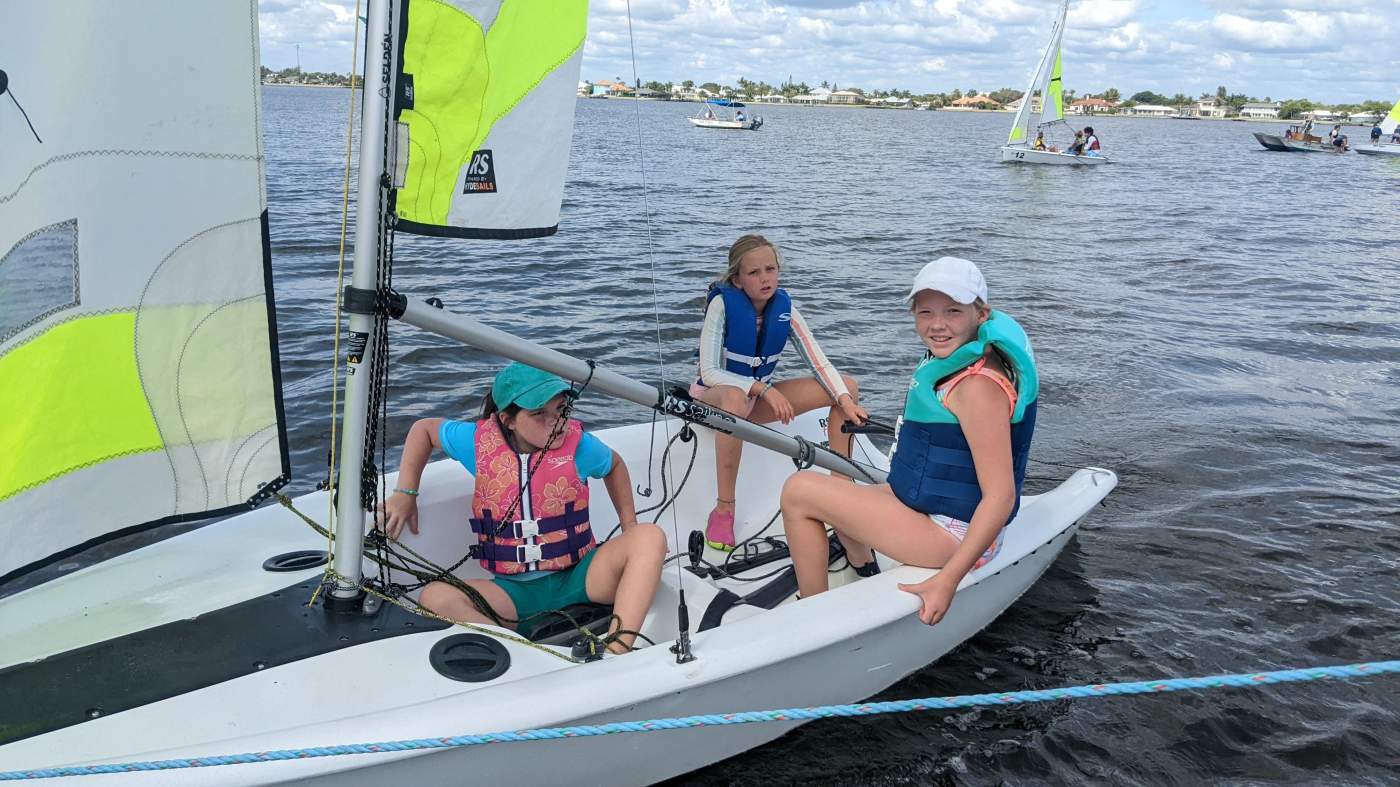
(1395,136)
(1340,143)
(740,116)
(1039,143)
(1091,142)
(1376,134)
(538,546)
(1334,133)
(959,457)
(1076,148)
(749,320)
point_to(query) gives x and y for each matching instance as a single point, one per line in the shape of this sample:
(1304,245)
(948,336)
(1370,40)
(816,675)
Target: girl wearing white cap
(960,452)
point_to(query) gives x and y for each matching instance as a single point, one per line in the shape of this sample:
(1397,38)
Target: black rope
(4,88)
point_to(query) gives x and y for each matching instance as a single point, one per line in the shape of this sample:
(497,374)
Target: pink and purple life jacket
(548,528)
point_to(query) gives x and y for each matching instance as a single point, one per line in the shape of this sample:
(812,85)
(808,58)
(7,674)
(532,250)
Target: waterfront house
(772,98)
(847,97)
(976,102)
(1260,109)
(1150,110)
(1209,108)
(820,95)
(1015,106)
(894,101)
(585,88)
(1322,115)
(1092,106)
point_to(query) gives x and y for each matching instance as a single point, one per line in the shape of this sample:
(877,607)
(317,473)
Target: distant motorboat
(735,121)
(1297,139)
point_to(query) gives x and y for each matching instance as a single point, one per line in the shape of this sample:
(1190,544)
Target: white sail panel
(484,101)
(1391,119)
(143,331)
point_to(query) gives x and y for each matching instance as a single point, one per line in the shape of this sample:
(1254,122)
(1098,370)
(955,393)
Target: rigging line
(655,301)
(26,116)
(331,480)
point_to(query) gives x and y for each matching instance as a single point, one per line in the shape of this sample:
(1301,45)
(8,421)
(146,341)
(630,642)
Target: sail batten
(135,276)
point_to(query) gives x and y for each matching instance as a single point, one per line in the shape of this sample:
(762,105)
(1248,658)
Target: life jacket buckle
(527,528)
(529,553)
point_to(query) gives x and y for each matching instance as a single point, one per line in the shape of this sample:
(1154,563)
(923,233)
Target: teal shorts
(555,590)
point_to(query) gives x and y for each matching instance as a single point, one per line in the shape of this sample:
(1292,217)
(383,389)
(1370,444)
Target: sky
(1332,51)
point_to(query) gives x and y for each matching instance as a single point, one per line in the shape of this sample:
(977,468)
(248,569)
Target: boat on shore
(729,116)
(1046,82)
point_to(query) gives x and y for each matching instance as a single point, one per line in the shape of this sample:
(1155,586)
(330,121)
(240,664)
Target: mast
(350,514)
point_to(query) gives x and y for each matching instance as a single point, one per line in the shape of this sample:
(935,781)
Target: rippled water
(1215,322)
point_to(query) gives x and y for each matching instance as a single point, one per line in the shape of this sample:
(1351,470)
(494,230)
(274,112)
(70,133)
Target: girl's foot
(719,530)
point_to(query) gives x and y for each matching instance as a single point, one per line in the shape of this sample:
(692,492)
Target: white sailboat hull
(732,125)
(841,646)
(1383,149)
(1019,154)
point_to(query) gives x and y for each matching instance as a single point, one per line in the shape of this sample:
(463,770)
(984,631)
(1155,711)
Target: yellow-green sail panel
(81,402)
(484,102)
(1054,101)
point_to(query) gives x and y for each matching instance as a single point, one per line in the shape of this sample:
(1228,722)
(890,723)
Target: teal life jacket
(931,467)
(749,351)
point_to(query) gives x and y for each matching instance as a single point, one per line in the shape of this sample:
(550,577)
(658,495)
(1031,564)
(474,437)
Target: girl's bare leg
(727,449)
(868,515)
(807,394)
(625,572)
(453,604)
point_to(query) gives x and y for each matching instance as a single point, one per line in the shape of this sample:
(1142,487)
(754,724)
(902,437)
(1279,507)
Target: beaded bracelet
(409,492)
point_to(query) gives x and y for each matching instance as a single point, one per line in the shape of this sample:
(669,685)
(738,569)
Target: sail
(1392,119)
(1053,105)
(1045,79)
(484,107)
(138,359)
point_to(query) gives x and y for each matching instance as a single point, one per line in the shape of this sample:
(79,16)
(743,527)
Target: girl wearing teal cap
(530,509)
(960,452)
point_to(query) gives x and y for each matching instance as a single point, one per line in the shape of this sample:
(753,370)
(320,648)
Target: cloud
(936,45)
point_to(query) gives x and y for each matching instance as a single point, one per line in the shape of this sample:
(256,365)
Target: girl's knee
(648,540)
(799,485)
(438,596)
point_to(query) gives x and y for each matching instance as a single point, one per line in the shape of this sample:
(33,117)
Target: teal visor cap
(526,386)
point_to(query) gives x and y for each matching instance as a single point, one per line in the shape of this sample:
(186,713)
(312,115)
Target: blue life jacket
(931,467)
(748,351)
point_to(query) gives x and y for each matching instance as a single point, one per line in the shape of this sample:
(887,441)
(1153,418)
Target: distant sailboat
(1019,145)
(1383,148)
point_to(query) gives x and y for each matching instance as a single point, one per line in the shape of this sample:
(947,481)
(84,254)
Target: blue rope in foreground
(1251,680)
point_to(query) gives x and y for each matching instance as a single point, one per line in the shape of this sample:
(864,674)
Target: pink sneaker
(719,531)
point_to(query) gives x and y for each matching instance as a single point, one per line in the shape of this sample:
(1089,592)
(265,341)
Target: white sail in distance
(1391,119)
(137,338)
(1047,67)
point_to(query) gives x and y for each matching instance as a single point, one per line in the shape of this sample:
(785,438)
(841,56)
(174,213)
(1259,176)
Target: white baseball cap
(957,278)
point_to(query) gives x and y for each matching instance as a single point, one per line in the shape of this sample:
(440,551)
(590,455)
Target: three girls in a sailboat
(960,453)
(530,509)
(749,320)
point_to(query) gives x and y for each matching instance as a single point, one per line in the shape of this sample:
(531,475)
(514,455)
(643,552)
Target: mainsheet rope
(1089,691)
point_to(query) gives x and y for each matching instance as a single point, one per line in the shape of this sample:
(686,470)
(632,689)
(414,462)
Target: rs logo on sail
(481,174)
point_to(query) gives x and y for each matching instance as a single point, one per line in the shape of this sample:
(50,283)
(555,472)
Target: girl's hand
(399,510)
(853,411)
(780,404)
(935,597)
